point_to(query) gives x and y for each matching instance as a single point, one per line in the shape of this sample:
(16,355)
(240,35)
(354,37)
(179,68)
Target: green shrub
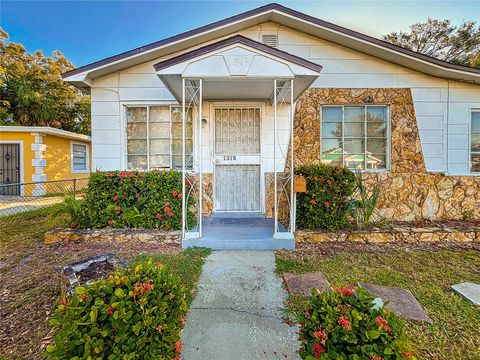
(134,199)
(135,314)
(345,325)
(365,205)
(326,202)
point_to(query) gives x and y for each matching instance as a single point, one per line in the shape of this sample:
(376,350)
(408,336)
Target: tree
(32,92)
(440,39)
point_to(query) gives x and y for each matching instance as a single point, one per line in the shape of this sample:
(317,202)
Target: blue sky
(86,31)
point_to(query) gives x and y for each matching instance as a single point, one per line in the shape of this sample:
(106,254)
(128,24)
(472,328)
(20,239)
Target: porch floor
(246,231)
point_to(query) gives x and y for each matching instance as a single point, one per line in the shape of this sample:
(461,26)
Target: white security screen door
(237,159)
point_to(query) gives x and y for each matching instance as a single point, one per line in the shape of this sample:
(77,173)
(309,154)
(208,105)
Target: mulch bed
(332,249)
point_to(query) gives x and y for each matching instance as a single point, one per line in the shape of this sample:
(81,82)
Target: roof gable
(285,16)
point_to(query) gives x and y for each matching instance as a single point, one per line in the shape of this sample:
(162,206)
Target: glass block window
(475,142)
(79,158)
(154,138)
(355,136)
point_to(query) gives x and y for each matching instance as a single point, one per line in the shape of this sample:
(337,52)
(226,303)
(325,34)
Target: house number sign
(230,157)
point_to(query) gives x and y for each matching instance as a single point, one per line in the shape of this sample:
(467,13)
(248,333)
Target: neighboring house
(34,154)
(408,121)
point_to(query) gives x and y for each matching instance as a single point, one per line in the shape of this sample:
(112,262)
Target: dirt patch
(332,249)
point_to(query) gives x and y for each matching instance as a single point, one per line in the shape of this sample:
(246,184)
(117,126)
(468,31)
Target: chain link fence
(21,197)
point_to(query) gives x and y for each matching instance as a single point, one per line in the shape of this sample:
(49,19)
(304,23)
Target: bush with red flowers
(325,205)
(133,199)
(345,324)
(136,313)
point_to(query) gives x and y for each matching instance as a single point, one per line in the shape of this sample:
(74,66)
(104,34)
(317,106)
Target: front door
(237,159)
(10,169)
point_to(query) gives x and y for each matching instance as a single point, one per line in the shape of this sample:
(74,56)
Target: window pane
(137,130)
(354,130)
(332,129)
(377,129)
(332,114)
(377,113)
(354,113)
(334,159)
(376,146)
(177,162)
(375,161)
(136,114)
(354,154)
(476,142)
(160,146)
(159,130)
(136,146)
(159,113)
(475,162)
(356,146)
(79,166)
(159,161)
(329,145)
(177,147)
(79,148)
(476,121)
(177,130)
(137,162)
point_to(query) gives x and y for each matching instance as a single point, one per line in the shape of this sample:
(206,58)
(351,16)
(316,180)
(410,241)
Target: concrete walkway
(237,311)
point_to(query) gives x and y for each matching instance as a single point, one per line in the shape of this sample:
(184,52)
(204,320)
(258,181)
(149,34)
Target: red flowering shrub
(326,202)
(345,325)
(133,199)
(135,314)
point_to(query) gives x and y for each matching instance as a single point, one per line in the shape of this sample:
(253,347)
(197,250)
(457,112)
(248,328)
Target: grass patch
(454,333)
(31,280)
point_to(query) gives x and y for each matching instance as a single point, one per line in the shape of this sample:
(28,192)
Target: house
(225,102)
(35,154)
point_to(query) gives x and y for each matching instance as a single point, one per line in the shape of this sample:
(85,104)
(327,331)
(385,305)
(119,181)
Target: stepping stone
(302,284)
(400,301)
(469,291)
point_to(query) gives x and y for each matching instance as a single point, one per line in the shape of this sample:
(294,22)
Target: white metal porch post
(184,195)
(275,209)
(199,156)
(292,170)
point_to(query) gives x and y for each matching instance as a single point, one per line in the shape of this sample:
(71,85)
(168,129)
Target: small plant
(325,204)
(136,313)
(345,324)
(364,205)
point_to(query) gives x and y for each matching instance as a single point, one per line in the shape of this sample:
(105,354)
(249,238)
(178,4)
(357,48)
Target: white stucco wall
(442,107)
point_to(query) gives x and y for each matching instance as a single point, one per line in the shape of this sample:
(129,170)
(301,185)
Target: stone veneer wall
(406,234)
(409,192)
(114,236)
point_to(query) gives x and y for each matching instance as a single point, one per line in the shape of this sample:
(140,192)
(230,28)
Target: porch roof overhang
(237,68)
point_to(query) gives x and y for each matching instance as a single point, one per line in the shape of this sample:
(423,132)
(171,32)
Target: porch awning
(237,68)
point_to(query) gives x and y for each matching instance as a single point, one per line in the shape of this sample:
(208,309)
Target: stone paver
(302,284)
(401,301)
(468,290)
(237,311)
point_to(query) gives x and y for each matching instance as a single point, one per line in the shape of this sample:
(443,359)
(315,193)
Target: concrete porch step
(241,244)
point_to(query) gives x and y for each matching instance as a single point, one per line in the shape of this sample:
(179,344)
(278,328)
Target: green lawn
(31,279)
(455,332)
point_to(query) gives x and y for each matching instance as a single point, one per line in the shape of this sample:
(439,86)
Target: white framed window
(154,137)
(356,136)
(475,142)
(79,158)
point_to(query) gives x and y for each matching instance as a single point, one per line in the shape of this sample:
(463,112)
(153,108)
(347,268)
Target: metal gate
(10,169)
(237,159)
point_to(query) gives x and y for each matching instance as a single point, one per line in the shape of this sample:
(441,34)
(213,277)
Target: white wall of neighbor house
(442,107)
